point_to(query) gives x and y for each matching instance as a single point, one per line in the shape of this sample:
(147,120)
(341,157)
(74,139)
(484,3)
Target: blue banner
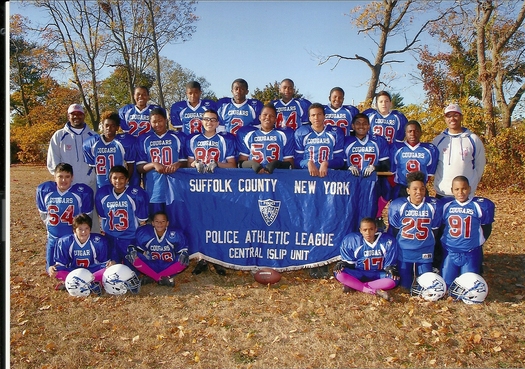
(287,220)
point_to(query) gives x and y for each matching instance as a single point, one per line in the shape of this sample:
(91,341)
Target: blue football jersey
(407,159)
(463,223)
(60,208)
(319,147)
(122,213)
(135,121)
(341,117)
(415,224)
(374,256)
(234,116)
(71,254)
(219,148)
(391,126)
(188,118)
(362,153)
(103,155)
(166,149)
(160,249)
(292,114)
(265,147)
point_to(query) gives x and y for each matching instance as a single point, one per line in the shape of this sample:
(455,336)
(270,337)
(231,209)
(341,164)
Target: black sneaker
(380,223)
(347,289)
(323,272)
(314,273)
(146,280)
(201,266)
(219,269)
(167,281)
(60,287)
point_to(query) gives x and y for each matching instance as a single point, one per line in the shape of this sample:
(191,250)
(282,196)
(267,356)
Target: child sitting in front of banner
(160,252)
(81,249)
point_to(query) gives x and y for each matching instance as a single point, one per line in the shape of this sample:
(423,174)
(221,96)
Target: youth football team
(441,236)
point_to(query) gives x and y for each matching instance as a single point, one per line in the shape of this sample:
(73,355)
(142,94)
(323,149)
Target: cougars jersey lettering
(292,114)
(391,126)
(60,208)
(318,147)
(135,121)
(362,153)
(369,256)
(415,224)
(463,223)
(407,159)
(122,213)
(188,118)
(103,155)
(160,249)
(265,147)
(71,254)
(219,148)
(234,116)
(341,117)
(166,149)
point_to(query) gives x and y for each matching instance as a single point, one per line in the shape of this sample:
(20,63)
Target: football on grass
(267,276)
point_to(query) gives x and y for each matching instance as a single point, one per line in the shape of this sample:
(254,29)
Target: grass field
(209,321)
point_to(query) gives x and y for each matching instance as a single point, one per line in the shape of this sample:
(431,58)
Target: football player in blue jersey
(186,115)
(209,150)
(159,153)
(122,209)
(414,221)
(391,125)
(337,114)
(467,225)
(368,261)
(58,202)
(366,154)
(412,155)
(238,111)
(291,112)
(134,118)
(81,249)
(318,147)
(160,251)
(109,149)
(267,148)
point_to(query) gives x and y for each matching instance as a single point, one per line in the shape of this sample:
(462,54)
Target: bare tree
(168,21)
(381,21)
(74,28)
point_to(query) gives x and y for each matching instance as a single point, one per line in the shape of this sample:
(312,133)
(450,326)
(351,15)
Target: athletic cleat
(314,273)
(380,223)
(347,289)
(146,280)
(201,168)
(60,287)
(383,294)
(211,167)
(323,271)
(201,266)
(167,281)
(219,269)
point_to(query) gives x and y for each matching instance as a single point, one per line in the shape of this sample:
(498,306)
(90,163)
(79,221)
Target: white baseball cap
(453,108)
(75,107)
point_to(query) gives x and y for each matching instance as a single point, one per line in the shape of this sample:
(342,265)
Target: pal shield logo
(269,210)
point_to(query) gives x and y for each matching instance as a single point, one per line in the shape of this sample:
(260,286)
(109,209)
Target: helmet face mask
(119,279)
(81,282)
(429,286)
(470,288)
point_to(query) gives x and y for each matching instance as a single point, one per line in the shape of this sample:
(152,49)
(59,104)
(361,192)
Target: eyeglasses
(213,120)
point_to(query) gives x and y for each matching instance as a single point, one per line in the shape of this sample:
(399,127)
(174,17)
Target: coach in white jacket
(66,147)
(461,152)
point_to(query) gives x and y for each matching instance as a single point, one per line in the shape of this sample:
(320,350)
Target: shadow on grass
(505,275)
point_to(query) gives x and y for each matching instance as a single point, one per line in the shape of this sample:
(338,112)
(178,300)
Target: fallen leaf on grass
(45,307)
(497,349)
(426,324)
(332,356)
(135,339)
(476,338)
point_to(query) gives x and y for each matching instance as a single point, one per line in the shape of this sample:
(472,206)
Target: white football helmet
(430,286)
(81,282)
(470,288)
(119,279)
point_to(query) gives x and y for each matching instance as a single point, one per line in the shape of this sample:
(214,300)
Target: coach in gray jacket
(66,147)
